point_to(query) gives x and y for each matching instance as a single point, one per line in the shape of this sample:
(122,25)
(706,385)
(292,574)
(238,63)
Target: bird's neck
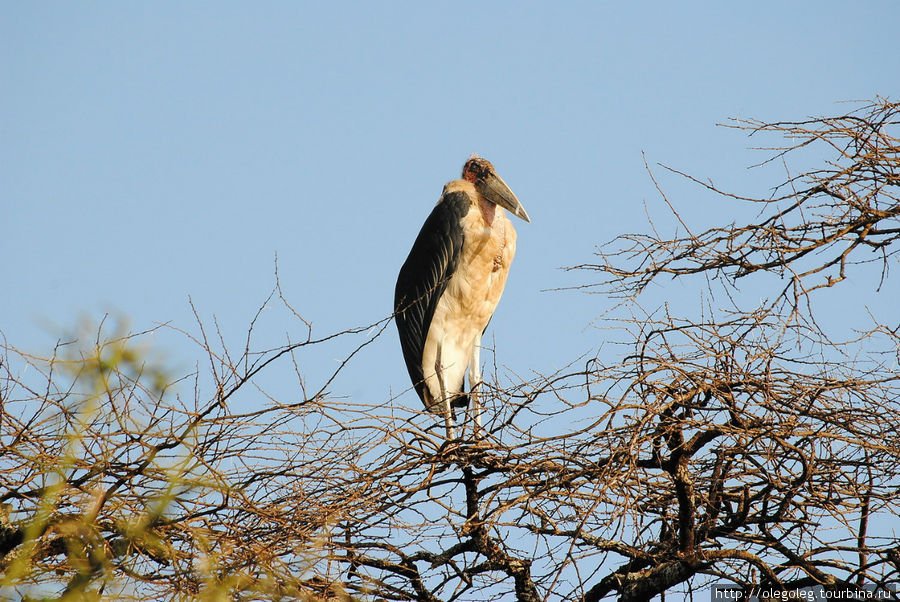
(488,211)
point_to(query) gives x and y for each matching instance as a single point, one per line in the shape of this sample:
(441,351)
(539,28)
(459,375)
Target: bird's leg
(445,398)
(475,384)
(448,420)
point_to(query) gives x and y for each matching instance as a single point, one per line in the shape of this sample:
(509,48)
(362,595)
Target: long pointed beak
(496,191)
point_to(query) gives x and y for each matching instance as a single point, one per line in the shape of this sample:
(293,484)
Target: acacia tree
(742,446)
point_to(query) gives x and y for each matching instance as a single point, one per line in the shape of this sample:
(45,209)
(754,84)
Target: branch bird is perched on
(450,285)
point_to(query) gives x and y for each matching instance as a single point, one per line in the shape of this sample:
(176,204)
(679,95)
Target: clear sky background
(154,151)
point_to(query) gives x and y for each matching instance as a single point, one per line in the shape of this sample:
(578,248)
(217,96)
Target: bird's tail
(460,401)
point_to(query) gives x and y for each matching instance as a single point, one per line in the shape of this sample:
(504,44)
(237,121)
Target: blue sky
(152,152)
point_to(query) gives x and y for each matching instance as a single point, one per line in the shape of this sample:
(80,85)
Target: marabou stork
(450,285)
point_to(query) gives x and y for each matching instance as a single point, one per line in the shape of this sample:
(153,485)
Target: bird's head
(480,172)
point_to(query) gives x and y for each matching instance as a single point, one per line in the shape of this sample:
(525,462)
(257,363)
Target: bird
(450,285)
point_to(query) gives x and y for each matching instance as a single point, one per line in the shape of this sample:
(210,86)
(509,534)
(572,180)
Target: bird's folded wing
(423,278)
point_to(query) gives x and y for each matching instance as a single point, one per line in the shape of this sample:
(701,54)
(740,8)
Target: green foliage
(104,472)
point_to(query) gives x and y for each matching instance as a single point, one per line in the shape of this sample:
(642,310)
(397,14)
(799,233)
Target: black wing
(423,279)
